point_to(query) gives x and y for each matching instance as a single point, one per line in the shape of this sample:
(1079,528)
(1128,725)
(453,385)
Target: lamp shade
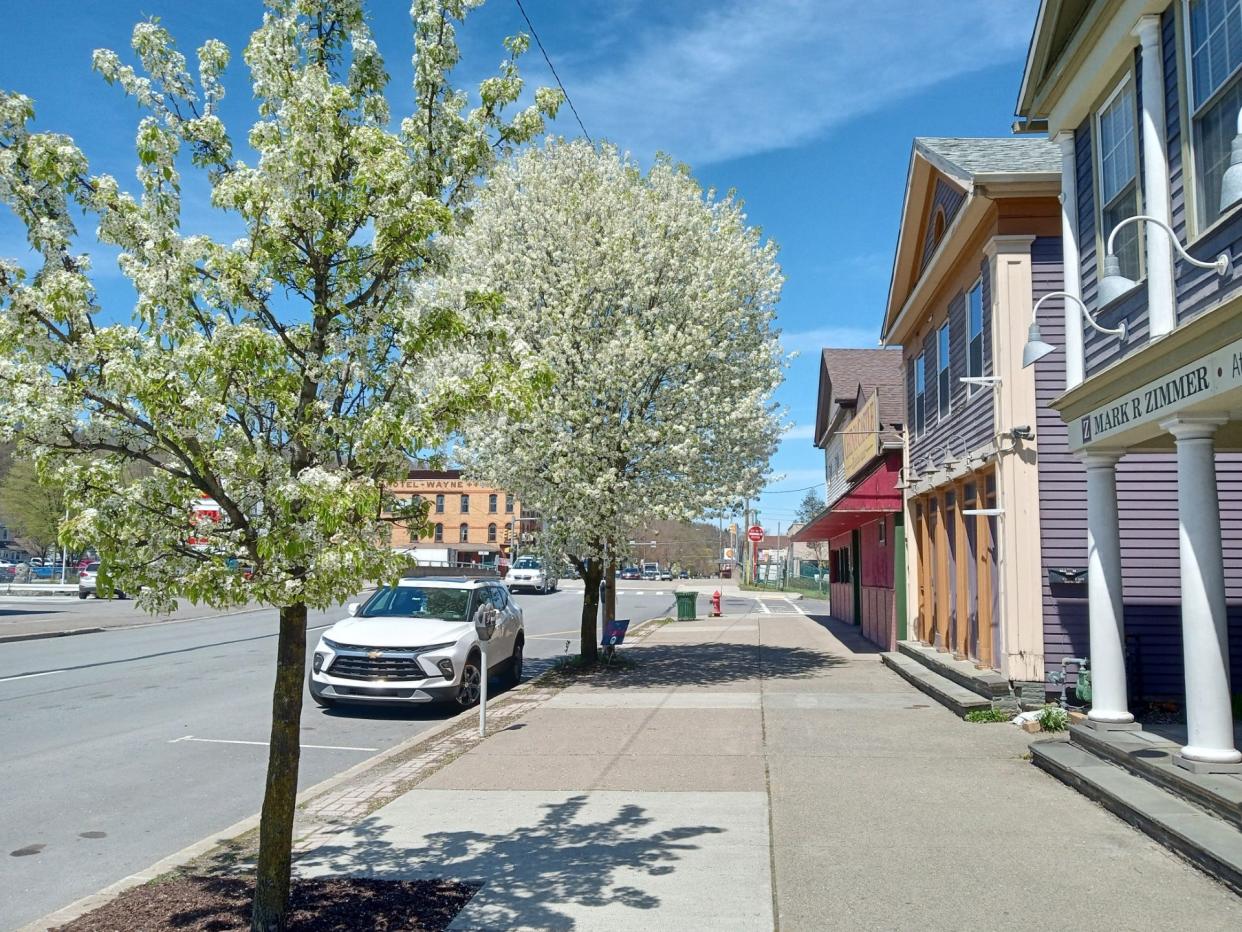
(1035,349)
(1112,283)
(1231,184)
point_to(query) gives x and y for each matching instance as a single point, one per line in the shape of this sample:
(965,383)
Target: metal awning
(874,494)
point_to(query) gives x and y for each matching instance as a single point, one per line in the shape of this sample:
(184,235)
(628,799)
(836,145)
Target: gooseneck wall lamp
(1231,183)
(1036,349)
(1113,284)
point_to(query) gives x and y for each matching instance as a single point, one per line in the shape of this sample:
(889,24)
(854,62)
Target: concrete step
(1209,843)
(986,683)
(1219,794)
(943,690)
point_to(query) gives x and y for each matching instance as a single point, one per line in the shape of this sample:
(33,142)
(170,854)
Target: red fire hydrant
(716,604)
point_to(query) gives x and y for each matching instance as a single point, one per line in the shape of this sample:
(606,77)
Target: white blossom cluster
(289,375)
(645,306)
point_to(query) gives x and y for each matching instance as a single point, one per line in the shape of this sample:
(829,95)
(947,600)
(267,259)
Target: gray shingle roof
(968,157)
(844,371)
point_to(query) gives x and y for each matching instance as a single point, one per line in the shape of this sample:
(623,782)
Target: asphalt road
(122,747)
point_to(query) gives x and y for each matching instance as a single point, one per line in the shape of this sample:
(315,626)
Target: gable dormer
(947,198)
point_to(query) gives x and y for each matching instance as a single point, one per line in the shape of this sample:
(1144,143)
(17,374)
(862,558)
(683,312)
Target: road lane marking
(764,606)
(263,744)
(27,676)
(796,607)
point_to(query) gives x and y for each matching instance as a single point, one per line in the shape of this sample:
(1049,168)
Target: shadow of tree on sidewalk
(713,664)
(527,872)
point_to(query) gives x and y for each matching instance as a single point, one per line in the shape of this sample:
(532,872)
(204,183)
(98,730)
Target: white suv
(415,642)
(529,573)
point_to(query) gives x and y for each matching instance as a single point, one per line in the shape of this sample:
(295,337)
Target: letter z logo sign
(1086,430)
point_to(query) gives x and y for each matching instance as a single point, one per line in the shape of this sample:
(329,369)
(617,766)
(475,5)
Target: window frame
(882,538)
(920,397)
(439,503)
(1126,79)
(1193,197)
(463,533)
(465,503)
(491,533)
(437,533)
(508,504)
(493,502)
(944,384)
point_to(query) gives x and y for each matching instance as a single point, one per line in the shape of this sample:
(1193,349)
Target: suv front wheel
(467,695)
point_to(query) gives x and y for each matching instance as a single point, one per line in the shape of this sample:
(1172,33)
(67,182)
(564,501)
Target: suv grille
(378,668)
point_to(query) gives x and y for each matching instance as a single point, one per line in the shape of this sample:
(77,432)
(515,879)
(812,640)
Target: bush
(1053,718)
(989,715)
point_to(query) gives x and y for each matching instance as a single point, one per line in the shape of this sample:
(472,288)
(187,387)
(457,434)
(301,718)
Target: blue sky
(806,107)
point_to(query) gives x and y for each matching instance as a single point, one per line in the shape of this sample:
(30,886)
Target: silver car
(88,581)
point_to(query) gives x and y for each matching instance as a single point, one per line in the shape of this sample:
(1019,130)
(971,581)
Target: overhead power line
(559,82)
(788,491)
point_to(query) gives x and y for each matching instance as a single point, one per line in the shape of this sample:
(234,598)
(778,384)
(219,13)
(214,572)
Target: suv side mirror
(353,607)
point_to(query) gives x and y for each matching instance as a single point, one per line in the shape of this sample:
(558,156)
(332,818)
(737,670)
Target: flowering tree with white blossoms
(288,375)
(651,304)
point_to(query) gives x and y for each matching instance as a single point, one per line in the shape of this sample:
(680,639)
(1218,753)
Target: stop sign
(755,533)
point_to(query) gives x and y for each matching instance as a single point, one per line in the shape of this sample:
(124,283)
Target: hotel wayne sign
(1201,380)
(861,437)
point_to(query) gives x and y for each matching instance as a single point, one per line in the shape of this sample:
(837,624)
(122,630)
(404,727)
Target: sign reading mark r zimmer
(1201,380)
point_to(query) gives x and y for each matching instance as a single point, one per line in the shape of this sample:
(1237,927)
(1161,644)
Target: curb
(42,635)
(187,854)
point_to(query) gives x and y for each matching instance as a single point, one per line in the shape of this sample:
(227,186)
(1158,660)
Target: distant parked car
(666,575)
(88,579)
(631,572)
(683,575)
(529,573)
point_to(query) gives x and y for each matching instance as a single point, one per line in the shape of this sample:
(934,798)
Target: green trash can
(686,605)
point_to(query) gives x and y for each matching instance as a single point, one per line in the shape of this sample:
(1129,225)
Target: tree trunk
(610,590)
(590,610)
(271,893)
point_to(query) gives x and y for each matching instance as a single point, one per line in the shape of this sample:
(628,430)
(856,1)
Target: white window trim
(919,431)
(971,389)
(1097,169)
(1192,197)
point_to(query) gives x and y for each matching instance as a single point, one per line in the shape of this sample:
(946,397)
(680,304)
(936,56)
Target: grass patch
(1053,718)
(989,715)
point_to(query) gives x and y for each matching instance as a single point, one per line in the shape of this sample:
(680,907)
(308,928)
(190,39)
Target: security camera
(1023,432)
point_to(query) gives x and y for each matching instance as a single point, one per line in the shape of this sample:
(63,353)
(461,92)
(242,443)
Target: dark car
(631,572)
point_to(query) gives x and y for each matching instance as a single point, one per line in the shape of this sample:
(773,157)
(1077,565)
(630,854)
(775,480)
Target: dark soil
(337,904)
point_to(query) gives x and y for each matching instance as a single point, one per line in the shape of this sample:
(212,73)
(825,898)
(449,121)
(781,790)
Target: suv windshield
(418,602)
(527,563)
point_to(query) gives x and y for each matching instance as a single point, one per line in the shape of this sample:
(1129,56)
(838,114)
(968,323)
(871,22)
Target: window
(1117,161)
(920,397)
(883,538)
(974,333)
(508,504)
(944,401)
(491,503)
(439,503)
(465,504)
(1215,53)
(463,532)
(439,534)
(491,533)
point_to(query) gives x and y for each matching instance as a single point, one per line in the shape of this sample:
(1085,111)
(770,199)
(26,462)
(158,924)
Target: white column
(1105,608)
(1205,636)
(1160,305)
(1074,365)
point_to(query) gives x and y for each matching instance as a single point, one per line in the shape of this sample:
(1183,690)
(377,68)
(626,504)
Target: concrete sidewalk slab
(557,861)
(651,699)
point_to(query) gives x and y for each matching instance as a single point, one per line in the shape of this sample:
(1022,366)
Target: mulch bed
(336,904)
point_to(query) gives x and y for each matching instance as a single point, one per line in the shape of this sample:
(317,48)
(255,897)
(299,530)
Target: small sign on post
(484,627)
(754,533)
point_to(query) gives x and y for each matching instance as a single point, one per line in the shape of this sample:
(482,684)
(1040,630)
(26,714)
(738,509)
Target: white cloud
(812,341)
(746,76)
(800,432)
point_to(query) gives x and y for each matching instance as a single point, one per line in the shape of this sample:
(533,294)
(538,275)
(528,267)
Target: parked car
(415,642)
(666,575)
(683,575)
(88,580)
(529,573)
(631,572)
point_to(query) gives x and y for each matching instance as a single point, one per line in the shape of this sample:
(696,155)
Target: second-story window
(491,533)
(920,397)
(491,503)
(439,503)
(439,533)
(463,533)
(1215,53)
(508,504)
(465,504)
(1117,162)
(943,398)
(974,333)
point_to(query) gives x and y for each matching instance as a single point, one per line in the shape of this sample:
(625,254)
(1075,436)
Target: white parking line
(263,744)
(27,676)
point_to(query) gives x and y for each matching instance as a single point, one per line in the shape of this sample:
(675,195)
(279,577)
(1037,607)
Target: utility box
(686,610)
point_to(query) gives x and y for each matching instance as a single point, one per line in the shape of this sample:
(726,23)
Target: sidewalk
(762,771)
